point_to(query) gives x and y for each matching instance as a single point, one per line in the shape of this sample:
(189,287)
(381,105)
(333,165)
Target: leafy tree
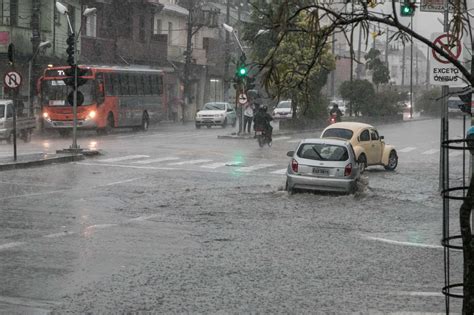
(360,94)
(287,64)
(380,72)
(429,102)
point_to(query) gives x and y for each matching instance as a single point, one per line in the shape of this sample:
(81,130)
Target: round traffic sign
(242,98)
(450,44)
(12,79)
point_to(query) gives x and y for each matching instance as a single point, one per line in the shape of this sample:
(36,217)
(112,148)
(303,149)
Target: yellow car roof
(354,126)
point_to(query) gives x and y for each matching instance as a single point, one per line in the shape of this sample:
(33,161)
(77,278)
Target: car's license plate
(320,171)
(258,133)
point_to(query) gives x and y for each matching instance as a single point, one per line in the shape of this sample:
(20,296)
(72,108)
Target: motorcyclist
(261,120)
(335,111)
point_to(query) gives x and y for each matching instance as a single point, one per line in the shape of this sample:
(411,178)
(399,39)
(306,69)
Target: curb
(40,162)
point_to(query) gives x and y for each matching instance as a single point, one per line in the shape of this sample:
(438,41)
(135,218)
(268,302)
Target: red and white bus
(113,98)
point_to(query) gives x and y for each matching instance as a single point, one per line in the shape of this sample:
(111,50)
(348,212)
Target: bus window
(115,84)
(140,86)
(124,84)
(132,83)
(155,84)
(160,84)
(55,92)
(108,84)
(146,84)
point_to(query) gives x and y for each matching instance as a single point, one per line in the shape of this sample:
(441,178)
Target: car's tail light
(348,169)
(294,166)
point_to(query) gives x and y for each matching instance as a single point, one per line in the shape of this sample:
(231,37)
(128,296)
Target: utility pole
(227,55)
(187,60)
(35,41)
(386,47)
(333,72)
(403,65)
(411,69)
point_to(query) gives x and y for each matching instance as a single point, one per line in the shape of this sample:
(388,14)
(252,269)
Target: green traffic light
(242,71)
(407,9)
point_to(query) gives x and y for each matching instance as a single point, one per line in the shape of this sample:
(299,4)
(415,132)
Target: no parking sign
(442,71)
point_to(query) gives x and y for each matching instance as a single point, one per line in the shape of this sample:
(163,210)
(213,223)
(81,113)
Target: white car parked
(216,114)
(283,110)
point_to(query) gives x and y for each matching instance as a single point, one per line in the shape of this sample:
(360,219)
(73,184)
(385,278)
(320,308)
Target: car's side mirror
(382,137)
(290,153)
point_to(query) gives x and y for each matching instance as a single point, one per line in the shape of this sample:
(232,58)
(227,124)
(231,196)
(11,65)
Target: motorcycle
(332,119)
(262,137)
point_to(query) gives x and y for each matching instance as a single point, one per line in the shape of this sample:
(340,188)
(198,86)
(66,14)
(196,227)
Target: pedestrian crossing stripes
(214,165)
(189,162)
(432,151)
(150,161)
(254,167)
(280,172)
(124,158)
(407,149)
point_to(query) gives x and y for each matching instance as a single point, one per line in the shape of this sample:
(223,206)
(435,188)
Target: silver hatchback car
(323,165)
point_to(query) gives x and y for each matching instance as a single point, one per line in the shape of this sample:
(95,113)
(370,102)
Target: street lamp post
(45,44)
(230,29)
(87,12)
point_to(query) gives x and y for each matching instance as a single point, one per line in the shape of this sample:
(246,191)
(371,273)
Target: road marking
(36,194)
(432,151)
(282,171)
(280,138)
(11,245)
(143,218)
(417,293)
(171,158)
(407,149)
(101,226)
(124,158)
(215,165)
(402,243)
(190,162)
(124,181)
(254,167)
(60,234)
(294,141)
(128,166)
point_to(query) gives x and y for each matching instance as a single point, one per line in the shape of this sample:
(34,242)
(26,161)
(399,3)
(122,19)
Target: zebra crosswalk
(175,162)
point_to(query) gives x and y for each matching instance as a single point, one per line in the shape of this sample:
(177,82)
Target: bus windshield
(55,92)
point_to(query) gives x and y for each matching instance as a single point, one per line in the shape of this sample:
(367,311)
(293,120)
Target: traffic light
(71,72)
(407,8)
(71,49)
(242,71)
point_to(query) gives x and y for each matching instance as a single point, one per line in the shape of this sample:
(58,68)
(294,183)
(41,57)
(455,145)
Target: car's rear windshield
(338,133)
(323,152)
(285,104)
(214,106)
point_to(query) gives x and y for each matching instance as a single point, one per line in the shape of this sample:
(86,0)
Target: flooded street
(178,221)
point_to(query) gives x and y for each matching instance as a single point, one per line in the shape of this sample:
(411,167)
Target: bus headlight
(46,116)
(92,114)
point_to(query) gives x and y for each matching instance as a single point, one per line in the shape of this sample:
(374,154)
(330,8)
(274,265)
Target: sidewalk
(37,159)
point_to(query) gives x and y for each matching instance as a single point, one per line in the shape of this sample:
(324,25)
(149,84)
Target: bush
(429,102)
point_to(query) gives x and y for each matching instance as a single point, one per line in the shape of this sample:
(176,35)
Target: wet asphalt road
(178,221)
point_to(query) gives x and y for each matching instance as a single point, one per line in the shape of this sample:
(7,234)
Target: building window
(141,28)
(158,27)
(170,33)
(14,12)
(91,25)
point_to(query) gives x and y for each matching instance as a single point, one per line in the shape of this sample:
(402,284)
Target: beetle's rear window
(323,152)
(338,133)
